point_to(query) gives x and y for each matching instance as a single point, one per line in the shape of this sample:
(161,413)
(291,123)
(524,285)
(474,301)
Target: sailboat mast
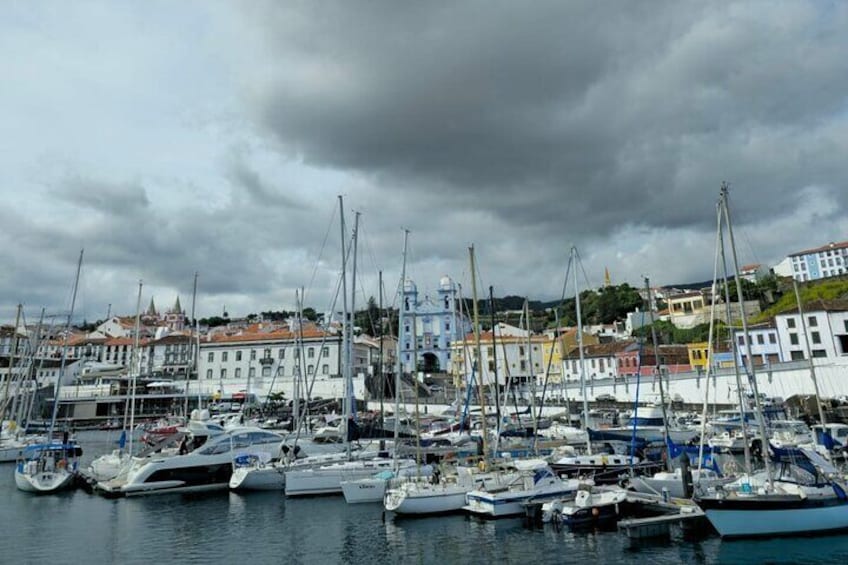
(135,366)
(399,361)
(65,349)
(530,369)
(344,349)
(351,397)
(192,352)
(752,375)
(477,357)
(809,352)
(380,363)
(495,367)
(580,350)
(658,369)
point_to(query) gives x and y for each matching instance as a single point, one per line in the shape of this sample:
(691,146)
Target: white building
(260,361)
(827,329)
(827,261)
(509,357)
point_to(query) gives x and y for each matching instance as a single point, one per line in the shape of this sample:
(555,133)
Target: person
(184,445)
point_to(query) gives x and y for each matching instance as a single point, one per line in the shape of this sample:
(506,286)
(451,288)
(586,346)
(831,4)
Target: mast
(380,362)
(580,350)
(495,367)
(710,335)
(477,357)
(65,350)
(752,376)
(135,366)
(399,361)
(351,396)
(734,348)
(192,353)
(530,369)
(344,349)
(809,353)
(658,369)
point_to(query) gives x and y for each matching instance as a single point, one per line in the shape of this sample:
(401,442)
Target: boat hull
(736,522)
(364,490)
(44,482)
(423,502)
(262,478)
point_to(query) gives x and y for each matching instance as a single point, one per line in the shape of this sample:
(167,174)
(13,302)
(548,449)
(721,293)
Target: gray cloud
(522,128)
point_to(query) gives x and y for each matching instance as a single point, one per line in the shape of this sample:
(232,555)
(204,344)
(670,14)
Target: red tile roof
(828,247)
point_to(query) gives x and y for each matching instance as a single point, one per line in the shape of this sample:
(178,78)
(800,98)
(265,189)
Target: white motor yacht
(208,467)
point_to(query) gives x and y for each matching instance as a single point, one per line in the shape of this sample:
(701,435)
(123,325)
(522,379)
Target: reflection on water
(264,527)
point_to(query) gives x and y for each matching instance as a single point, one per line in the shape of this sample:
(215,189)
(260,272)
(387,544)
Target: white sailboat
(805,497)
(51,467)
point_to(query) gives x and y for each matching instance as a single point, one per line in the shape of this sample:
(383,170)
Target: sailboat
(110,465)
(805,497)
(326,479)
(603,467)
(52,466)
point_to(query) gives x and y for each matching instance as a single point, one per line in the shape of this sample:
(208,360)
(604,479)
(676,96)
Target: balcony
(266,361)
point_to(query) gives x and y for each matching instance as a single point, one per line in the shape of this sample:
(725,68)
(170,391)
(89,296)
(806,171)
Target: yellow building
(698,354)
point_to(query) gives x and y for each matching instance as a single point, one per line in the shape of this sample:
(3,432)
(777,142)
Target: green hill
(834,288)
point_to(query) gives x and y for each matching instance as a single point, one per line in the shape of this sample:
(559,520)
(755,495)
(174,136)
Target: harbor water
(266,527)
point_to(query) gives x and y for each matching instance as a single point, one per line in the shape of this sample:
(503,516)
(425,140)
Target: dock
(671,511)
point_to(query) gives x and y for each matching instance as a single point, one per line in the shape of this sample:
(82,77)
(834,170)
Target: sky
(211,137)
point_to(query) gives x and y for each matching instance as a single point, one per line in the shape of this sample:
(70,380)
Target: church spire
(151,310)
(177,307)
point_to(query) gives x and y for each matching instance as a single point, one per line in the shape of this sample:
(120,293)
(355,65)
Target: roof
(602,349)
(828,247)
(276,335)
(691,294)
(751,267)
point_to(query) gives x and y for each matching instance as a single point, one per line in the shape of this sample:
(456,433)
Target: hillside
(834,288)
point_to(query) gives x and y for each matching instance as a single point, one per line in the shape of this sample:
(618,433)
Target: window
(251,373)
(447,326)
(819,353)
(793,339)
(267,353)
(266,371)
(238,372)
(310,352)
(325,369)
(741,340)
(223,373)
(238,355)
(224,356)
(812,321)
(816,337)
(209,374)
(282,353)
(325,352)
(211,356)
(760,339)
(253,355)
(310,369)
(846,325)
(772,338)
(790,322)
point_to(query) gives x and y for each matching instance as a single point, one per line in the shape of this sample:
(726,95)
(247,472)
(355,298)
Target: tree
(310,314)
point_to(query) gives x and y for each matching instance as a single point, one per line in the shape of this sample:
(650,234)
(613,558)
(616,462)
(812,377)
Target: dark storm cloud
(241,175)
(599,113)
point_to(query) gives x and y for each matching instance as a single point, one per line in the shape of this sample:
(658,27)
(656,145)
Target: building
(827,329)
(752,273)
(511,358)
(765,346)
(272,358)
(822,262)
(430,327)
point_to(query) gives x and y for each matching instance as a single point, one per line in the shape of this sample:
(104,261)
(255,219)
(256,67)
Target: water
(267,528)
